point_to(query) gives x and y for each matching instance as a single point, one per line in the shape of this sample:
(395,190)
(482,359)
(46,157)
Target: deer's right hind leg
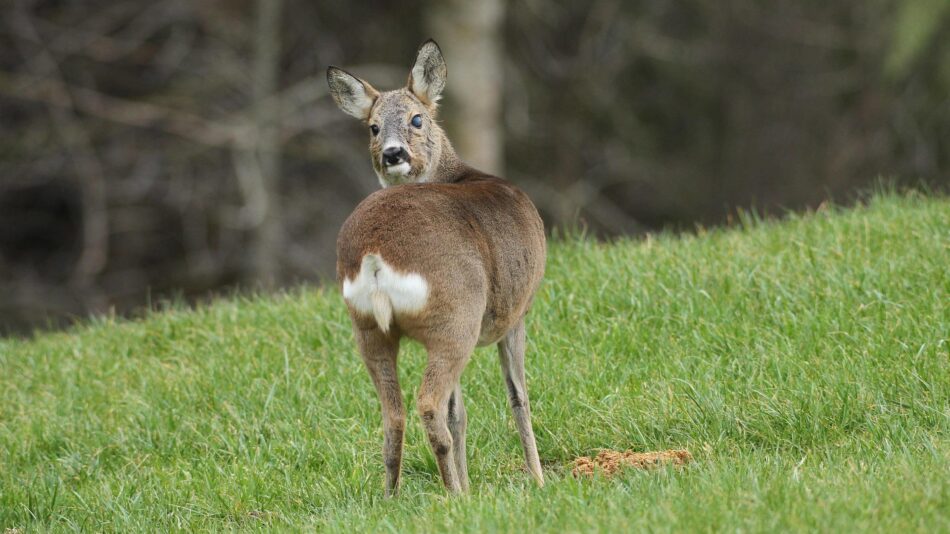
(439,382)
(379,353)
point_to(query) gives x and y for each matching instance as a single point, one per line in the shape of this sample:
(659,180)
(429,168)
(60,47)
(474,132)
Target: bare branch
(89,169)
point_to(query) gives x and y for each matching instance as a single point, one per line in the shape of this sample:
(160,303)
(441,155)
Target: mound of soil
(610,462)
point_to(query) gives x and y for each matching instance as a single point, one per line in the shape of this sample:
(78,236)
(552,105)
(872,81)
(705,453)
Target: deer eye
(416,121)
(375,129)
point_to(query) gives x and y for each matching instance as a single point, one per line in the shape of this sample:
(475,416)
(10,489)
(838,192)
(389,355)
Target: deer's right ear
(354,96)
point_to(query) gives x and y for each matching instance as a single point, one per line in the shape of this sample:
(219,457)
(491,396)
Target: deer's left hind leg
(379,353)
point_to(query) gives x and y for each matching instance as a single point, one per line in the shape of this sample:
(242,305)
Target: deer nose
(395,155)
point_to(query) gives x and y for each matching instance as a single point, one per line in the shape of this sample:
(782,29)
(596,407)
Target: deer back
(476,240)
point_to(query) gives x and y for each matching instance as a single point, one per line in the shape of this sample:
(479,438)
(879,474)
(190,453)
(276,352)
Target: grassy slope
(804,363)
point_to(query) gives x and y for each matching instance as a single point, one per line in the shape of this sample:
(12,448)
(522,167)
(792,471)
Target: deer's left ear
(427,77)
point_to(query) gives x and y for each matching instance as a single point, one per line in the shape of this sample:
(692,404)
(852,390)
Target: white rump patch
(408,292)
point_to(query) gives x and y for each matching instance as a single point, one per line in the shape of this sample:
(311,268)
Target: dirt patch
(610,462)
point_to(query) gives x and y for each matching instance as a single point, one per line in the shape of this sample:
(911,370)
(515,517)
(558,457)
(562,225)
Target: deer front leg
(511,353)
(379,353)
(458,423)
(438,385)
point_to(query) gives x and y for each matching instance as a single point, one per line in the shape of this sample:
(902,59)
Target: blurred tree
(471,39)
(916,27)
(259,167)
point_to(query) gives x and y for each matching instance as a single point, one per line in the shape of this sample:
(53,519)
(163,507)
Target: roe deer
(443,254)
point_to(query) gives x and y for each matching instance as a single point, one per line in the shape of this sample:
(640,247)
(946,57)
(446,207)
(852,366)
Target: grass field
(805,363)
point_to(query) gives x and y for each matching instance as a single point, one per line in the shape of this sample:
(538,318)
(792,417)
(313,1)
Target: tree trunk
(470,36)
(267,232)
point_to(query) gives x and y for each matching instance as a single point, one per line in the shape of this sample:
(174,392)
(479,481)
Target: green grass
(805,363)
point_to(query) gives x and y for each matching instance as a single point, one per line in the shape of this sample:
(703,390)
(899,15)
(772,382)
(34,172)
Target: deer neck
(449,168)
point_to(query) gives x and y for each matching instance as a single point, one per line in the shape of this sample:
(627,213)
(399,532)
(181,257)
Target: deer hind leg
(458,423)
(439,382)
(511,353)
(379,353)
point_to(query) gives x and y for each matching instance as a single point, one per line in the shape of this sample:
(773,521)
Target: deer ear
(428,74)
(354,96)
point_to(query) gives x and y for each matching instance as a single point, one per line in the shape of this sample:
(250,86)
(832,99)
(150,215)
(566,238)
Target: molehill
(610,462)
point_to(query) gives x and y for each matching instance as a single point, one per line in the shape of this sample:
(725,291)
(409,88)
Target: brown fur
(477,239)
(479,244)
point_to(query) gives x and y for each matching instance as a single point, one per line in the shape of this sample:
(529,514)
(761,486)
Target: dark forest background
(184,147)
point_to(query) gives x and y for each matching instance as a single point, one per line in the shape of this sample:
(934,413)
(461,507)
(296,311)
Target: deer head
(406,143)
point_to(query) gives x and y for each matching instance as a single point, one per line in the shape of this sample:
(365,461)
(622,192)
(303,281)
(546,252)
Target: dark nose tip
(395,155)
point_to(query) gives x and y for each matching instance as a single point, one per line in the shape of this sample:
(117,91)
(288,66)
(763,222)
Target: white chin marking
(408,292)
(397,170)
